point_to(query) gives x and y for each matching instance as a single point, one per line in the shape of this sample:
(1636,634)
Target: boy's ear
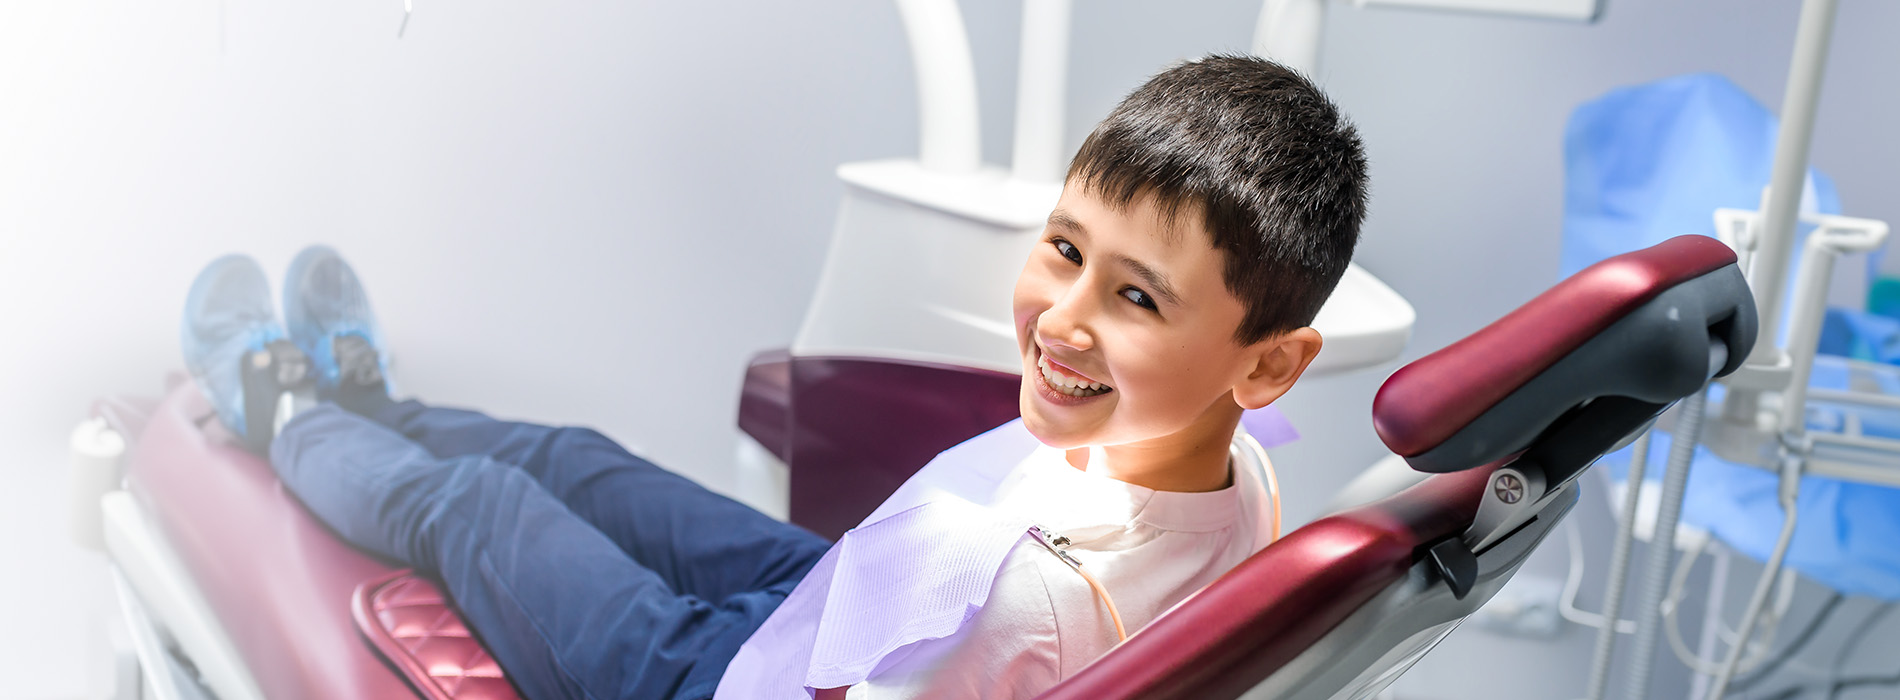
(1278,363)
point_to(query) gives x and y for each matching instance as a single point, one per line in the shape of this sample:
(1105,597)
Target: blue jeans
(587,572)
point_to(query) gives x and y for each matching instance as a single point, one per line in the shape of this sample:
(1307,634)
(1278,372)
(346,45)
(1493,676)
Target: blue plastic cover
(1647,163)
(1653,161)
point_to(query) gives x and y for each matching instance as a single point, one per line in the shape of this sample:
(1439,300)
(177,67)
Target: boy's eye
(1068,251)
(1140,298)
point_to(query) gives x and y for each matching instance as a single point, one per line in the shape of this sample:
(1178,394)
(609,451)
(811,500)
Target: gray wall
(593,212)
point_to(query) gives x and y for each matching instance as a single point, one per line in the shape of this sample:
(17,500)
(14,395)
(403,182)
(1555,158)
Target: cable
(1794,645)
(1790,474)
(1845,683)
(1121,634)
(1057,545)
(1839,684)
(1671,607)
(1758,664)
(1273,482)
(1836,687)
(1673,630)
(1050,540)
(1573,579)
(1853,638)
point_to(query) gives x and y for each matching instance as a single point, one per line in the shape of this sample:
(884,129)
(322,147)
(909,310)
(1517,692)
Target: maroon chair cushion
(1426,402)
(849,439)
(411,624)
(1253,620)
(278,581)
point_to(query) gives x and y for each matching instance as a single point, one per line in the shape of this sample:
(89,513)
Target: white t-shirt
(1043,623)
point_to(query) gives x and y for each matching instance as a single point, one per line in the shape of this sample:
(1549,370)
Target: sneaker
(235,348)
(328,316)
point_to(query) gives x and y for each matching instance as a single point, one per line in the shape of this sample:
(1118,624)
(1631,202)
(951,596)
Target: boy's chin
(1055,433)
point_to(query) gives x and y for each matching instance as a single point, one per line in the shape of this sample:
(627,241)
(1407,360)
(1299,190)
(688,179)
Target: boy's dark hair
(1276,173)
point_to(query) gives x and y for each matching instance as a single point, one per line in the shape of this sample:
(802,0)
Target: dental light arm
(949,134)
(1042,92)
(1798,105)
(1289,31)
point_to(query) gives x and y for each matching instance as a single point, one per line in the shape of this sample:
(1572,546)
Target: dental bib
(896,593)
(916,569)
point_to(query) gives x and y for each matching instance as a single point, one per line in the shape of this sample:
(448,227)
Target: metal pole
(1619,566)
(1791,169)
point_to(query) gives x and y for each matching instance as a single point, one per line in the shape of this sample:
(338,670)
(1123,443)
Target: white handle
(1836,236)
(946,85)
(1289,32)
(1041,90)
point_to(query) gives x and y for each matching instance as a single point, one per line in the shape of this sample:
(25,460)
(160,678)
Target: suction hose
(1662,542)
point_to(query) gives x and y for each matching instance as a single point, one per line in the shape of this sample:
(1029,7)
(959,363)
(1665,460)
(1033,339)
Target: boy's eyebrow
(1157,282)
(1061,219)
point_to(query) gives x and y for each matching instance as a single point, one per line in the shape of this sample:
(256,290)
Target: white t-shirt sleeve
(1009,651)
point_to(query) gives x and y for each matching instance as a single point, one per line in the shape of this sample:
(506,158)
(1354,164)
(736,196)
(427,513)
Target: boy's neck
(1193,460)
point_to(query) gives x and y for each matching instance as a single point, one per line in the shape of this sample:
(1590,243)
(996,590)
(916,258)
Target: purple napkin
(1269,427)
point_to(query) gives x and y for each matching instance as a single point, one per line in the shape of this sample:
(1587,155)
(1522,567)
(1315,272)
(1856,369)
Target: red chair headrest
(1638,325)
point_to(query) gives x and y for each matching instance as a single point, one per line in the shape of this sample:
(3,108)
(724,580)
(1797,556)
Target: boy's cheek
(1028,303)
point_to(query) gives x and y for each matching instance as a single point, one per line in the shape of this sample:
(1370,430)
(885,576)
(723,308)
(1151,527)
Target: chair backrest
(1279,603)
(1343,605)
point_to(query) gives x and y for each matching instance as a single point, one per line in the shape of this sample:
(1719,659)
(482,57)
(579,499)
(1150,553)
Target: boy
(1201,227)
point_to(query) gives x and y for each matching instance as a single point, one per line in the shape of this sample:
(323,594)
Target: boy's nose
(1064,322)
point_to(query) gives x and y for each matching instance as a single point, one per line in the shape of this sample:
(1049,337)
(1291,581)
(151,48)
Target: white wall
(593,212)
(579,212)
(586,212)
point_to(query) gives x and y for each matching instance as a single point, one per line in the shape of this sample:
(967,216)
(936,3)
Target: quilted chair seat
(410,622)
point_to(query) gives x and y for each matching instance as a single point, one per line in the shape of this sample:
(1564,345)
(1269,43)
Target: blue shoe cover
(323,300)
(228,315)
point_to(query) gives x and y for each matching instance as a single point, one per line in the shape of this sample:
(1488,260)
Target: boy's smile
(1065,386)
(1126,331)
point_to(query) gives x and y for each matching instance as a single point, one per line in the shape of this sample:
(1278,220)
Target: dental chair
(235,591)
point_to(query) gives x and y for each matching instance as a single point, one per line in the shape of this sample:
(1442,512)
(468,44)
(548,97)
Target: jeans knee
(479,496)
(482,483)
(569,446)
(570,438)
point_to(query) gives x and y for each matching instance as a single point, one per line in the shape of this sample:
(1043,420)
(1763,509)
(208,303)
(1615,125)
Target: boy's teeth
(1067,385)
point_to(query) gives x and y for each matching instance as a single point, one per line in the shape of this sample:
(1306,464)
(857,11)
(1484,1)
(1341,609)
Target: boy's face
(1125,327)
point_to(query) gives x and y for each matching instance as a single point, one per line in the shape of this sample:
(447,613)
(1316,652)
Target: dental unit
(234,591)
